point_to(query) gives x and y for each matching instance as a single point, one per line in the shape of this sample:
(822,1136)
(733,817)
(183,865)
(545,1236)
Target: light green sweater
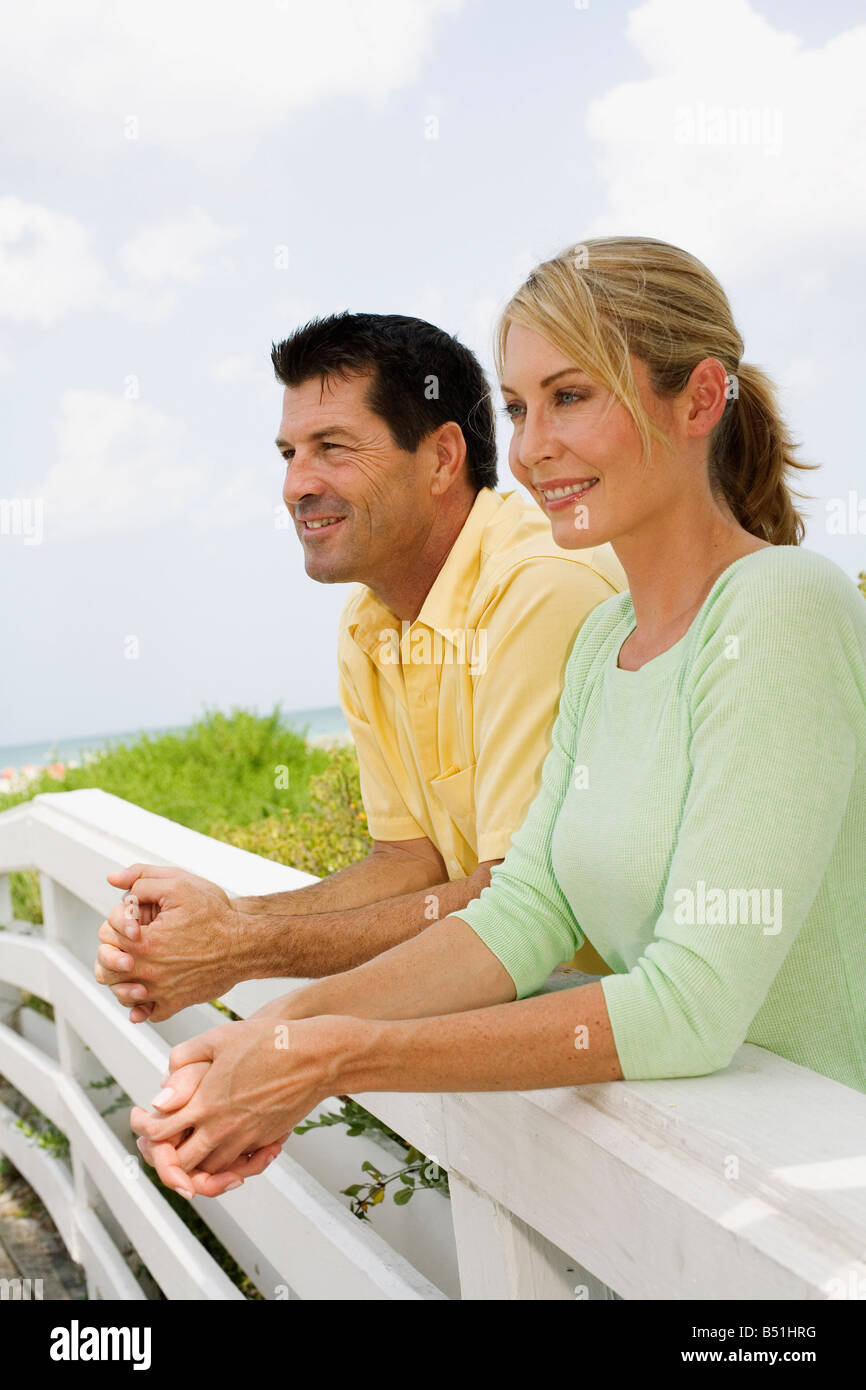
(702,821)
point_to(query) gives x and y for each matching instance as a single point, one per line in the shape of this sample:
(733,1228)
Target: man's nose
(300,481)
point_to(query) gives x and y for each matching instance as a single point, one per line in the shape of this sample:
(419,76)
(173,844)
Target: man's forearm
(385,873)
(326,943)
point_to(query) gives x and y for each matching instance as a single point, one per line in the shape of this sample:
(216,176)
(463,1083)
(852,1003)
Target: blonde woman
(702,818)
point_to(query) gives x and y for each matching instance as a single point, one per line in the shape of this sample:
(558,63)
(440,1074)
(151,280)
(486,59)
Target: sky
(185,181)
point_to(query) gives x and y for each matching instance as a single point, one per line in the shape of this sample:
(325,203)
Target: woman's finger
(163,1157)
(180,1088)
(200,1049)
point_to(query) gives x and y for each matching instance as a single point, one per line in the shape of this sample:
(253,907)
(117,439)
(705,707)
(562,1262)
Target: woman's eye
(509,410)
(574,395)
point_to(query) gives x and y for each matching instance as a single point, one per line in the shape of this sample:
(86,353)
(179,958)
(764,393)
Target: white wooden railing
(749,1184)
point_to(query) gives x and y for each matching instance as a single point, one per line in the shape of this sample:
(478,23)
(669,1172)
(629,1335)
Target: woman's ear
(705,397)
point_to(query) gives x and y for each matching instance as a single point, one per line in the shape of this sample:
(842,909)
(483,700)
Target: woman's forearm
(446,969)
(559,1039)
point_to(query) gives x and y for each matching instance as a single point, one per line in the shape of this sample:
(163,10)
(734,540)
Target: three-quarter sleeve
(776,692)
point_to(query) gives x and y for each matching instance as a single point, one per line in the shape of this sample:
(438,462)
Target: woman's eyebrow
(564,371)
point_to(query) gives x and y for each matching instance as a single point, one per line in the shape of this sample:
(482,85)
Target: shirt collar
(444,609)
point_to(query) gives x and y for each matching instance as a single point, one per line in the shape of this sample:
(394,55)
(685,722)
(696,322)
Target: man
(451,660)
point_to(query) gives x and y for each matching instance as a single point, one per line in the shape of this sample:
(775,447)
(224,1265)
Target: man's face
(357,500)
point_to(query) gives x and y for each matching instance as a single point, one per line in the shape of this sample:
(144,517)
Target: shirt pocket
(456,792)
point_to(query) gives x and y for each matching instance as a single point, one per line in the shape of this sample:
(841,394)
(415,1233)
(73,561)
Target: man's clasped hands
(229,1100)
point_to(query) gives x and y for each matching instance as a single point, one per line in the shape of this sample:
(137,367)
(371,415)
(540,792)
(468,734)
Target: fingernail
(139,1144)
(232,1185)
(159,1102)
(185,1192)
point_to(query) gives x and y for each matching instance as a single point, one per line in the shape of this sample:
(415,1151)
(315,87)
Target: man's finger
(130,995)
(115,961)
(153,890)
(124,878)
(141,1013)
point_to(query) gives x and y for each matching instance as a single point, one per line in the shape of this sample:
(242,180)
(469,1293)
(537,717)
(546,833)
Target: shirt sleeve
(529,627)
(388,816)
(776,693)
(524,916)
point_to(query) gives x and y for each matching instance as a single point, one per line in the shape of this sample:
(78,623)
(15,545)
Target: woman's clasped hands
(231,1099)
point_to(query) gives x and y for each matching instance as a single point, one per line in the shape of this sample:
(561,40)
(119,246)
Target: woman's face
(576,448)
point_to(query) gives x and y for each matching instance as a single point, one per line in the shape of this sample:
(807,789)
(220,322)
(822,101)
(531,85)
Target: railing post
(64,916)
(5,901)
(500,1257)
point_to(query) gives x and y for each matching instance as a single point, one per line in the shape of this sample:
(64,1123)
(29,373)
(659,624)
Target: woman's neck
(671,569)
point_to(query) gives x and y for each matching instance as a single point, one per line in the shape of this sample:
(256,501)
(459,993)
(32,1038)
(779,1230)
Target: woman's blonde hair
(603,299)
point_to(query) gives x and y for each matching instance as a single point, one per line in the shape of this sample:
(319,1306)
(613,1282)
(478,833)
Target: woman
(702,817)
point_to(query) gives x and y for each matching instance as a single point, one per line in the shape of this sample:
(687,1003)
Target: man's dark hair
(421,378)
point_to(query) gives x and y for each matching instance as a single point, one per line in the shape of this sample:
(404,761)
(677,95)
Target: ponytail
(751,455)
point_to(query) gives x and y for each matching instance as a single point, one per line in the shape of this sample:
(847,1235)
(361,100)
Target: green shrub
(330,835)
(239,767)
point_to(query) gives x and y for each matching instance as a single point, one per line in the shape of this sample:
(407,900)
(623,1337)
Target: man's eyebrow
(317,434)
(565,371)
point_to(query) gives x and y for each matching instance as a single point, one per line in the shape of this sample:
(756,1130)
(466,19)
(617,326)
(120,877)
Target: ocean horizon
(324,722)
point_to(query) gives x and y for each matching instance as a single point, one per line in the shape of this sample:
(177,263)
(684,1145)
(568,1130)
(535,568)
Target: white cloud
(736,144)
(121,465)
(178,249)
(47,268)
(207,68)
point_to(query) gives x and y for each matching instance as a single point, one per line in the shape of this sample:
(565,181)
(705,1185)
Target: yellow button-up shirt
(452,714)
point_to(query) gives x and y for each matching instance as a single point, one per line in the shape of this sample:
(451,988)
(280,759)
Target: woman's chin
(573,533)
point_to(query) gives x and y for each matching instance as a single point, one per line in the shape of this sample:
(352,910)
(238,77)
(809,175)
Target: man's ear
(449,464)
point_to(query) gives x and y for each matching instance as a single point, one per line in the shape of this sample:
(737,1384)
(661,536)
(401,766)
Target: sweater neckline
(668,660)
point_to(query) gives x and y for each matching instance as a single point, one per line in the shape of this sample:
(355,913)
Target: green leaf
(408,1179)
(404,1195)
(353,1190)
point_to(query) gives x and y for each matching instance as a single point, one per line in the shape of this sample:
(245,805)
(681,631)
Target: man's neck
(404,592)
